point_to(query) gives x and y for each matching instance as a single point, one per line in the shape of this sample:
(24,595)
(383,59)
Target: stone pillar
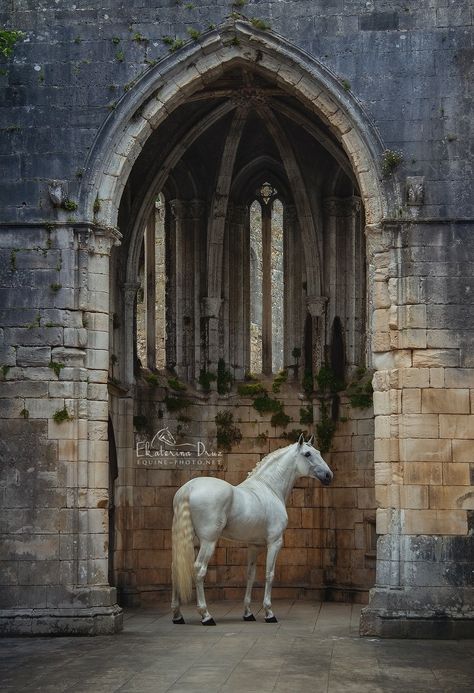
(316,307)
(210,311)
(423,438)
(187,216)
(150,292)
(130,337)
(56,506)
(292,280)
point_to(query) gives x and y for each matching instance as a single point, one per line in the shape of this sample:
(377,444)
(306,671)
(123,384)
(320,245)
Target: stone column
(210,311)
(186,215)
(292,333)
(423,421)
(150,292)
(238,291)
(129,330)
(58,535)
(316,307)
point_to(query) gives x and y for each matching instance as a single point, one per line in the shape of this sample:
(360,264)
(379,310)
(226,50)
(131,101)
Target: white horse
(253,512)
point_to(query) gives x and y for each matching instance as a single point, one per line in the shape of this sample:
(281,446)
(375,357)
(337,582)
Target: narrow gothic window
(266,282)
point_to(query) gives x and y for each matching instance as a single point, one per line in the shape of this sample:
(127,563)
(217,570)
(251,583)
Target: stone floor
(313,647)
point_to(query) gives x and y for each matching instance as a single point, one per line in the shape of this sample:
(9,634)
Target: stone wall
(329,550)
(73,95)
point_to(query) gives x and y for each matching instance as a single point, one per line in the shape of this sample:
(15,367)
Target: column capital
(342,206)
(316,305)
(210,306)
(97,239)
(187,209)
(130,291)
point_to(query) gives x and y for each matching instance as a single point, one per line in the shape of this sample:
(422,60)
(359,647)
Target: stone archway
(175,81)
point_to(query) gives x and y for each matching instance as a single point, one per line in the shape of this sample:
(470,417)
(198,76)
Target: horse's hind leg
(176,606)
(204,556)
(251,568)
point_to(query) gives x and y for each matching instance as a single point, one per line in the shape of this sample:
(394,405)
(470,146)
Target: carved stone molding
(415,191)
(130,291)
(57,191)
(316,305)
(247,97)
(187,209)
(342,206)
(97,239)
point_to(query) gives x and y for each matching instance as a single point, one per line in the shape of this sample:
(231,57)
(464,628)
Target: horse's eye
(307,454)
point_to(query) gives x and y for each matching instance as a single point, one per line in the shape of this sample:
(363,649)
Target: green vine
(205,379)
(281,378)
(325,429)
(360,390)
(227,433)
(8,38)
(251,389)
(224,378)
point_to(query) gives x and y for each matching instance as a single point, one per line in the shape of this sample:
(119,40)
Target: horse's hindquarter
(257,515)
(210,500)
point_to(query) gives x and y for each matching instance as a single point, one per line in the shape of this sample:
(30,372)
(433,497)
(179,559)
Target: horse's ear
(310,440)
(301,439)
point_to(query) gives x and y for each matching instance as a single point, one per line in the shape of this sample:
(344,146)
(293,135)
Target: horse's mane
(271,457)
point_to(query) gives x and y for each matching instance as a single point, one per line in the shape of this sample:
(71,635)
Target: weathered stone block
(434,522)
(434,358)
(418,425)
(425,450)
(33,356)
(445,401)
(456,426)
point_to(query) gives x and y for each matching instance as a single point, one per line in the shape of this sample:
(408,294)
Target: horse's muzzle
(327,478)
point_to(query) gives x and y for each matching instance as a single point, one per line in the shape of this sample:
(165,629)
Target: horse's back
(210,500)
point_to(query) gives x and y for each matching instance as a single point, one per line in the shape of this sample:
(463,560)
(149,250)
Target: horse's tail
(182,566)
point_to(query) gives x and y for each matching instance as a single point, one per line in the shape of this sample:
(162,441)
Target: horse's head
(311,463)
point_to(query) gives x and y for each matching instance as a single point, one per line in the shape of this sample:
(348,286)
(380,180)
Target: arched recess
(177,77)
(173,83)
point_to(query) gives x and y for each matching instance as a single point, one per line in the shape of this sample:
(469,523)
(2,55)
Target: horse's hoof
(250,617)
(209,622)
(179,620)
(271,619)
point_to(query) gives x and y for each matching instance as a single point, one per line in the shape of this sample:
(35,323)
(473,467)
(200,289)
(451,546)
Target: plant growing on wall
(391,160)
(227,433)
(8,38)
(205,379)
(360,390)
(224,378)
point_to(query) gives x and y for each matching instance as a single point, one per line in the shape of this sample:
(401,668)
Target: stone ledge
(382,624)
(33,622)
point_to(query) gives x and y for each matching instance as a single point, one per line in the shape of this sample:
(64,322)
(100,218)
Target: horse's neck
(279,475)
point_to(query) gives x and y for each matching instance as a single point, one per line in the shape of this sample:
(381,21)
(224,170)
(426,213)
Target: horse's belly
(248,532)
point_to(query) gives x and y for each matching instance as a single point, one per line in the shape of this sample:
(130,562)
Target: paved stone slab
(313,647)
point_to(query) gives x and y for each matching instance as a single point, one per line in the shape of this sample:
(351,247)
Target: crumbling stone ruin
(224,224)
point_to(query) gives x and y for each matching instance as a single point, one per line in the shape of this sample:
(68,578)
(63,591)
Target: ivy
(176,403)
(251,389)
(205,379)
(8,38)
(224,378)
(62,415)
(227,433)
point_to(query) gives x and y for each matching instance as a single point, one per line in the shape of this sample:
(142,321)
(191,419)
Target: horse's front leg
(272,553)
(204,556)
(251,568)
